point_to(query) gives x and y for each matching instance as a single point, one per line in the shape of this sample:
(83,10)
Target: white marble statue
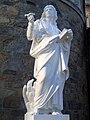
(50,48)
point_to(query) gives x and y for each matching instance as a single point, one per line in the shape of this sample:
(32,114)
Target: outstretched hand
(30,17)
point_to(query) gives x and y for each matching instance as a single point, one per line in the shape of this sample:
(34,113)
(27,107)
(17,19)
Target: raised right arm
(30,30)
(30,27)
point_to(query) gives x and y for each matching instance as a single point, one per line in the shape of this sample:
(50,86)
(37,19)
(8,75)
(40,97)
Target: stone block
(4,20)
(4,115)
(46,117)
(11,102)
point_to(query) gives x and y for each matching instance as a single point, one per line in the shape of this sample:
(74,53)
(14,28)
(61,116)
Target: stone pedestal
(46,117)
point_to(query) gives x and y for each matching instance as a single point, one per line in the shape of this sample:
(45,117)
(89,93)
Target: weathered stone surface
(12,101)
(4,20)
(17,113)
(16,65)
(5,92)
(8,2)
(8,11)
(4,115)
(3,56)
(1,102)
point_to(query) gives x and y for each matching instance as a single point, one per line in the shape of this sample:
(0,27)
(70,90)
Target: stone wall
(16,65)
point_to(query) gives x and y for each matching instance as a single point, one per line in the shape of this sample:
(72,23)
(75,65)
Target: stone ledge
(46,117)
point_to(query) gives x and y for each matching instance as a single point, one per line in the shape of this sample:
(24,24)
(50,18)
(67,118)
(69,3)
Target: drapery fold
(51,64)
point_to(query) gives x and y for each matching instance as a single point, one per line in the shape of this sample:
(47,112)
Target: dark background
(16,65)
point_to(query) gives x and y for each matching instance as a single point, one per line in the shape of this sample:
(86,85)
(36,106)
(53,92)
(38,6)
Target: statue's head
(49,11)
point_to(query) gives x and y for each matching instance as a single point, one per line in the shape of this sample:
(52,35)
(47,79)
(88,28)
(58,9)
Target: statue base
(46,117)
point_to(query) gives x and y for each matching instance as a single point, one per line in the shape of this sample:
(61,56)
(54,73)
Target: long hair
(43,16)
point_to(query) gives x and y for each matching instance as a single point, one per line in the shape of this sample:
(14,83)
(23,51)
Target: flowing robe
(51,64)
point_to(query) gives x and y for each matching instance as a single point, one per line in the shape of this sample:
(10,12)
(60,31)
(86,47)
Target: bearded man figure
(51,49)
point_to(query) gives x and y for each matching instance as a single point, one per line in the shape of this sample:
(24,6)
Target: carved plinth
(46,117)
